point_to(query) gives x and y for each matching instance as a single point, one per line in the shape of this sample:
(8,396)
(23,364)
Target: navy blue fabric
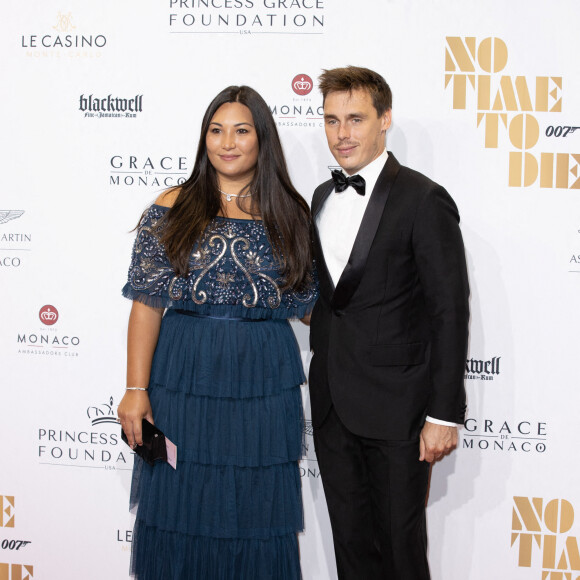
(232,273)
(227,393)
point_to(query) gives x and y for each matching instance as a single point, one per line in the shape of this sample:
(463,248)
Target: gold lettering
(7,511)
(525,551)
(528,514)
(492,54)
(523,94)
(463,58)
(462,54)
(559,516)
(459,88)
(575,171)
(522,165)
(542,93)
(509,101)
(562,164)
(483,92)
(562,170)
(25,573)
(15,572)
(547,170)
(524,131)
(570,558)
(557,108)
(545,92)
(491,127)
(549,553)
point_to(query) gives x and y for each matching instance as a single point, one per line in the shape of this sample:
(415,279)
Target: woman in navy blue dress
(219,265)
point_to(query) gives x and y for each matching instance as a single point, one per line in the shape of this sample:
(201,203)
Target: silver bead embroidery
(233,264)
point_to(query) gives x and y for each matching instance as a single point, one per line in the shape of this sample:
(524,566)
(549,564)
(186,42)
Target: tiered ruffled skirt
(227,393)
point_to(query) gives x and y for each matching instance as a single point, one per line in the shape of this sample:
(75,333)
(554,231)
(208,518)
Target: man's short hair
(351,78)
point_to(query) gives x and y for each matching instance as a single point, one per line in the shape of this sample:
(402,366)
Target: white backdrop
(486,99)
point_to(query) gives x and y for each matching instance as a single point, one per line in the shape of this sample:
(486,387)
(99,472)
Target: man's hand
(436,441)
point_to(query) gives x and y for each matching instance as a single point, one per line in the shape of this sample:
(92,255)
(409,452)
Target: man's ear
(386,119)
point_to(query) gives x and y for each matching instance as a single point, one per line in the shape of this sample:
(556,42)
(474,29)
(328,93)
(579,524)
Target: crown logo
(48,315)
(302,84)
(102,413)
(64,22)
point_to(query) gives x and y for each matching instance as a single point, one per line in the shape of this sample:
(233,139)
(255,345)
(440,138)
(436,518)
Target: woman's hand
(144,325)
(134,407)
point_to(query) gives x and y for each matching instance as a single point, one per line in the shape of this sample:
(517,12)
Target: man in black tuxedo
(388,334)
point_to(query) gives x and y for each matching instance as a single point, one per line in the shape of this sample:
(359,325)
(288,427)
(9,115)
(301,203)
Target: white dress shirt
(338,223)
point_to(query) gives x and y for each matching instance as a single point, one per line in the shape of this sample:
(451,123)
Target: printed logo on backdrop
(14,244)
(247,16)
(7,520)
(63,38)
(92,440)
(155,171)
(574,261)
(16,572)
(482,370)
(103,413)
(7,511)
(302,85)
(543,538)
(521,116)
(50,340)
(309,462)
(124,539)
(297,109)
(96,107)
(500,435)
(48,315)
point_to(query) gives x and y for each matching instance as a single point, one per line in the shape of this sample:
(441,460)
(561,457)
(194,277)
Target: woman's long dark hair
(284,212)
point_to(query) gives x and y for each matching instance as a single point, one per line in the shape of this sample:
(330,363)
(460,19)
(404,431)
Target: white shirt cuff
(440,422)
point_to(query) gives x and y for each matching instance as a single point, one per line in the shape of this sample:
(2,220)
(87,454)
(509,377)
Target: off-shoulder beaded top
(232,272)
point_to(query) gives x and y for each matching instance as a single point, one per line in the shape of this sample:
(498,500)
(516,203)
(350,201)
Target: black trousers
(375,491)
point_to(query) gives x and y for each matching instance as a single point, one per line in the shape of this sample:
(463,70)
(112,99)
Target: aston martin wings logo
(7,215)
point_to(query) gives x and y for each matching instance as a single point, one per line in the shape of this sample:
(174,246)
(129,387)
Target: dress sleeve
(300,303)
(150,273)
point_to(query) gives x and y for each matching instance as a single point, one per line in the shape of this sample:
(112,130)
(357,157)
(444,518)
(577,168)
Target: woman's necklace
(230,195)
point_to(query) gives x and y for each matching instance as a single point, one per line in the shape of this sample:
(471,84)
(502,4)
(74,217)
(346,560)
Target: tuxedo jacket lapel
(351,276)
(324,277)
(320,195)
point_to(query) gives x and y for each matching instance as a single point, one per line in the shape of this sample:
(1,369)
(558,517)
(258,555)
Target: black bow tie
(341,182)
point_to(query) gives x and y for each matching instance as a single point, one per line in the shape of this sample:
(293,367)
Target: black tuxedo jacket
(389,342)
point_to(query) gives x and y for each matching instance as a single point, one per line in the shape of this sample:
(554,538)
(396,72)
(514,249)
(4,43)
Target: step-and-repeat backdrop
(101,107)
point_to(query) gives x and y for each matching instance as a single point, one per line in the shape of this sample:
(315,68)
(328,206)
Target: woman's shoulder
(167,198)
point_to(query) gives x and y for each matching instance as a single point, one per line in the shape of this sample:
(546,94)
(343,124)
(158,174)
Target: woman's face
(232,144)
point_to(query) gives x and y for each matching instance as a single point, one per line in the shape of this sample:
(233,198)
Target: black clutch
(154,447)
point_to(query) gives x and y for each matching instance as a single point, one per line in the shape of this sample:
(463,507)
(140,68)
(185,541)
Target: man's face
(355,133)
